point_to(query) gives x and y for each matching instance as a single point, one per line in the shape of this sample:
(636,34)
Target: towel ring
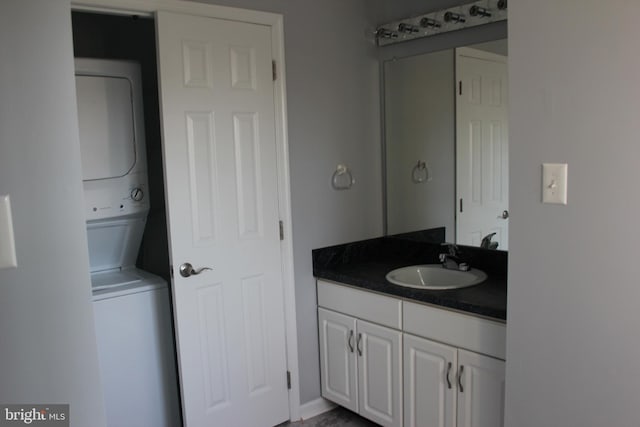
(420,173)
(342,178)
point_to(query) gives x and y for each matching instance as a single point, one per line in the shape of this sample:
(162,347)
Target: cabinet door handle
(460,378)
(358,344)
(350,340)
(447,377)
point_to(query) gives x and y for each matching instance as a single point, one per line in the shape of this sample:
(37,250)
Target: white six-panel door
(218,116)
(482,187)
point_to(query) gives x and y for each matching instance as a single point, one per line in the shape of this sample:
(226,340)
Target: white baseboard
(315,407)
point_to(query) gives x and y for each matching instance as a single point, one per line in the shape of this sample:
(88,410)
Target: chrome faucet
(452,259)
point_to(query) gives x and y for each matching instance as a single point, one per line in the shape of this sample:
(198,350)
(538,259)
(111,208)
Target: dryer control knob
(137,194)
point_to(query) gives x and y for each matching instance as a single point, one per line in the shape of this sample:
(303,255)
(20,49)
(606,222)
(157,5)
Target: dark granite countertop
(365,264)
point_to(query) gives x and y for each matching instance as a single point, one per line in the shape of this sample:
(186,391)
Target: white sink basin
(435,277)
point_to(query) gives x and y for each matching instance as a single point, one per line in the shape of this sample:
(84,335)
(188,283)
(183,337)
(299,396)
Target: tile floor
(338,417)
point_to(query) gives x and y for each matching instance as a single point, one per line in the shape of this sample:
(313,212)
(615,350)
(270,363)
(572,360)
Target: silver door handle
(187,270)
(505,215)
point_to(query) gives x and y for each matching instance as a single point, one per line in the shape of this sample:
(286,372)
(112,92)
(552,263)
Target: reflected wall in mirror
(446,146)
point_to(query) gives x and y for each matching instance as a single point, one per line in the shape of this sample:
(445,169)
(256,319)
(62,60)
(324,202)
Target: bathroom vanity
(410,357)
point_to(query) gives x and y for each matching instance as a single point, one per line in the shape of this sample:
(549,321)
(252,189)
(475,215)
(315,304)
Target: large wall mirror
(446,143)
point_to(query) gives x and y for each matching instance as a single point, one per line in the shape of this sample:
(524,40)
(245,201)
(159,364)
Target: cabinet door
(429,383)
(480,390)
(338,358)
(379,373)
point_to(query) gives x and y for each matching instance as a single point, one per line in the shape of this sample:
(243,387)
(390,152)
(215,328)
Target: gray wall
(333,115)
(420,125)
(573,318)
(47,341)
(385,11)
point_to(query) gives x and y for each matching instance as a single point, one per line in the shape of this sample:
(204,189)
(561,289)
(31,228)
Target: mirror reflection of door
(481,147)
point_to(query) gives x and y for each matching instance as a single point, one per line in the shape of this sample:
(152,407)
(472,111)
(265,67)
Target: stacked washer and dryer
(131,306)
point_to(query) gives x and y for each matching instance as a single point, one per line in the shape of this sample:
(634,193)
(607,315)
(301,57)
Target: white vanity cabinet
(400,363)
(338,359)
(361,361)
(453,368)
(448,387)
(480,390)
(429,377)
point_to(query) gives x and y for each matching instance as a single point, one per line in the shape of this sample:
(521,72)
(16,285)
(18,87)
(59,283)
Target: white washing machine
(135,349)
(131,306)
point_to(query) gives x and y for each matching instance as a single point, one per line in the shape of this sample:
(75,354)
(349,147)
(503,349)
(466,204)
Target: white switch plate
(554,183)
(7,242)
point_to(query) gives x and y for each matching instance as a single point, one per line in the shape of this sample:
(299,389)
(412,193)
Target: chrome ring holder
(342,178)
(420,173)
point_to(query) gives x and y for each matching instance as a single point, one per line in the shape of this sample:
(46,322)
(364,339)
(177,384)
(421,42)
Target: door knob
(505,215)
(187,270)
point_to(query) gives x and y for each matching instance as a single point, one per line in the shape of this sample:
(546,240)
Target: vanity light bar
(442,21)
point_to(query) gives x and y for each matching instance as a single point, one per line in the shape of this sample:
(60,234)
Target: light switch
(7,242)
(554,183)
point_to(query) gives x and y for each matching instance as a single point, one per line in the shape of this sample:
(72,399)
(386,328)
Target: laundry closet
(118,114)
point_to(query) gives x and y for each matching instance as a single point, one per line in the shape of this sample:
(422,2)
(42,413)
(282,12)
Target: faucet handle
(452,248)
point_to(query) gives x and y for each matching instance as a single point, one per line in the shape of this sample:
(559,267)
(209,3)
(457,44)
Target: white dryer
(131,306)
